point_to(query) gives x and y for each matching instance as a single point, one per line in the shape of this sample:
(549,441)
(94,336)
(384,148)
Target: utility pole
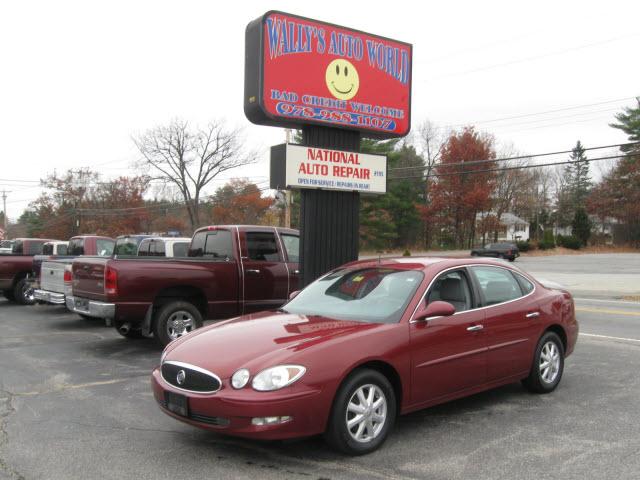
(287,193)
(4,211)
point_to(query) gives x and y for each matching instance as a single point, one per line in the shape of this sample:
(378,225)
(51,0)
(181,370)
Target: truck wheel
(174,320)
(8,294)
(23,293)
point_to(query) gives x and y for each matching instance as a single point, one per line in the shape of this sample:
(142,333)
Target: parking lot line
(601,300)
(607,311)
(610,338)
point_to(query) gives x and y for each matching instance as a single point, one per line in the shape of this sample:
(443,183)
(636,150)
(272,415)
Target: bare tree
(190,158)
(431,139)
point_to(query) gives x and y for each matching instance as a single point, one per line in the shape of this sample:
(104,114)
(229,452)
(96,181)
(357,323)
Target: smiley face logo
(342,79)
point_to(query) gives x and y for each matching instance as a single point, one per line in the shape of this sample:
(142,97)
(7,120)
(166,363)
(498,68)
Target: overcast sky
(77,79)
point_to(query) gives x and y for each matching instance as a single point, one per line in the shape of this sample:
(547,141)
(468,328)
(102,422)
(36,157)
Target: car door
(265,274)
(448,354)
(511,321)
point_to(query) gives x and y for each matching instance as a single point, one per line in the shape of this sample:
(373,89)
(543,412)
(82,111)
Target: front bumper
(92,308)
(230,411)
(49,297)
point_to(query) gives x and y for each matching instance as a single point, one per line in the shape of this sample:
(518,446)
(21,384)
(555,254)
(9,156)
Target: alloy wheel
(366,413)
(549,362)
(180,323)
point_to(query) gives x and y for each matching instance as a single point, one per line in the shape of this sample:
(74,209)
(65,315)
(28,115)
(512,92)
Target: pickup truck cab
(164,247)
(16,269)
(53,272)
(230,270)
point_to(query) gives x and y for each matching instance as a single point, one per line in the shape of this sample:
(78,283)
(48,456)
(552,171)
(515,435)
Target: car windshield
(378,295)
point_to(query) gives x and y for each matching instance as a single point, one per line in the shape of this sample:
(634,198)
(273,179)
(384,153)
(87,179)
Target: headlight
(275,378)
(240,378)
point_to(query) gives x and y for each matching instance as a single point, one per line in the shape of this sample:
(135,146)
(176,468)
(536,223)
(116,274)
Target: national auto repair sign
(302,71)
(297,166)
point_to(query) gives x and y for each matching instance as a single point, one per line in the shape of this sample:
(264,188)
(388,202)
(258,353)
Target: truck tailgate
(88,277)
(52,276)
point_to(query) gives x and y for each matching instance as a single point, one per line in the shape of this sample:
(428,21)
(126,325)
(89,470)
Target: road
(75,403)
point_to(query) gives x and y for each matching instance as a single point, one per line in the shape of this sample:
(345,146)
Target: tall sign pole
(337,85)
(4,206)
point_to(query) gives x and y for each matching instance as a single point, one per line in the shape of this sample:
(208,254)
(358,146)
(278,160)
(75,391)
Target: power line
(519,157)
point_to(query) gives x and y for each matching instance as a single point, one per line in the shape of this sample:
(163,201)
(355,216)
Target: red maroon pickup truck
(16,268)
(230,270)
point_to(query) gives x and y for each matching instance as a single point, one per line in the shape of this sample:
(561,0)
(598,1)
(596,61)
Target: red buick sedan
(365,343)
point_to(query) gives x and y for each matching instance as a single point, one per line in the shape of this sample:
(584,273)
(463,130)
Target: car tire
(357,439)
(549,352)
(512,259)
(8,294)
(23,293)
(174,320)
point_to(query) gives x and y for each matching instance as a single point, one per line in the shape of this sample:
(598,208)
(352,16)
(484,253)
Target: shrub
(544,245)
(571,242)
(406,253)
(523,246)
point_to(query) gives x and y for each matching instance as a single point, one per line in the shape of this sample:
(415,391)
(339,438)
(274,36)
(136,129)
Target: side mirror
(435,309)
(294,294)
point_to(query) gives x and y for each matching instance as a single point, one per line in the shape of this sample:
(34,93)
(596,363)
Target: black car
(508,251)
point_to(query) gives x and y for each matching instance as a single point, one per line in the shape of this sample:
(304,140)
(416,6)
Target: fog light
(271,420)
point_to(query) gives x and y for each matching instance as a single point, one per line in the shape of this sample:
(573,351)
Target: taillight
(110,281)
(68,276)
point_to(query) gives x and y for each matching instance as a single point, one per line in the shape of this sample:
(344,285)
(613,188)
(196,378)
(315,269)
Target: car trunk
(88,278)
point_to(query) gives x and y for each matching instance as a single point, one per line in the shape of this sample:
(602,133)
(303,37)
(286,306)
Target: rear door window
(143,249)
(262,246)
(497,285)
(180,249)
(61,249)
(157,248)
(34,248)
(47,249)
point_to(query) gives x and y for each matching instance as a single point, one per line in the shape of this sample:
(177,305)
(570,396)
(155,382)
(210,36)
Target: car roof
(423,263)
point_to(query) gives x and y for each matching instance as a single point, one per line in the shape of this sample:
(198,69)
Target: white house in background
(513,228)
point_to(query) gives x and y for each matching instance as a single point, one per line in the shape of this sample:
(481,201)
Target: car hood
(259,341)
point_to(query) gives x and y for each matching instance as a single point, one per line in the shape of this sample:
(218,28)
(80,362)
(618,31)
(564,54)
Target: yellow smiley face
(342,79)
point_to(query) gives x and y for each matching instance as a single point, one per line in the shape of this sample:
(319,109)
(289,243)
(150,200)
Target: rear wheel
(548,365)
(23,293)
(363,413)
(174,320)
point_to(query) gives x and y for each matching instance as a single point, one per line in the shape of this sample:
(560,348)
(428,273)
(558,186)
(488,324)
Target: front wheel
(23,293)
(174,320)
(548,365)
(363,413)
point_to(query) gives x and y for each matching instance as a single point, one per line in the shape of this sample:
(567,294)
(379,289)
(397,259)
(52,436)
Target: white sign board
(312,167)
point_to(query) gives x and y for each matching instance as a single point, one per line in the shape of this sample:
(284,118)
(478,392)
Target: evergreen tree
(629,123)
(581,226)
(575,186)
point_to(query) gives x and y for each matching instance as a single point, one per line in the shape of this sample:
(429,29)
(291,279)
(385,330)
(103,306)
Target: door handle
(475,328)
(532,315)
(252,270)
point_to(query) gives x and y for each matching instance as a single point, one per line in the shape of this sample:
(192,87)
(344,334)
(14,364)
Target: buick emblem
(180,377)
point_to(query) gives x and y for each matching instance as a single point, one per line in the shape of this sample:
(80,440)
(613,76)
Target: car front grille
(189,377)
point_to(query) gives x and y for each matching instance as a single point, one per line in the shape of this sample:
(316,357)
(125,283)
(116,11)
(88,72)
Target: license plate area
(177,403)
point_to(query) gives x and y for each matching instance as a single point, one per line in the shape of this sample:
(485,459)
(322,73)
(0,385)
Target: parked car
(229,270)
(53,272)
(506,250)
(365,342)
(16,269)
(164,247)
(5,247)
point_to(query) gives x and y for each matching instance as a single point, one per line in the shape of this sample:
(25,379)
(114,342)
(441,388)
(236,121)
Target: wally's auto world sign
(302,71)
(297,166)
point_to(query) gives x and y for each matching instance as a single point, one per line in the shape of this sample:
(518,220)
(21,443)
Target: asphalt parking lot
(75,402)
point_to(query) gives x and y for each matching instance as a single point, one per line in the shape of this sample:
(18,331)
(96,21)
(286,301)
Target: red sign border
(255,110)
